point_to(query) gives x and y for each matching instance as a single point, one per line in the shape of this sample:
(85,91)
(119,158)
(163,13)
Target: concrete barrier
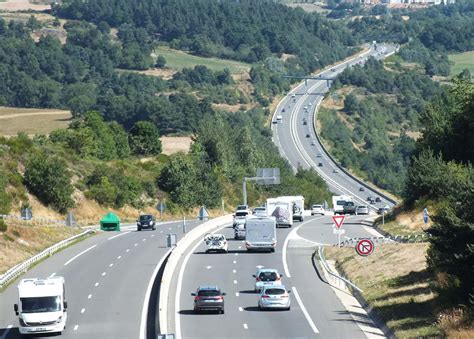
(181,248)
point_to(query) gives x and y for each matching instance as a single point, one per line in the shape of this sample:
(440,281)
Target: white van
(279,119)
(260,233)
(41,305)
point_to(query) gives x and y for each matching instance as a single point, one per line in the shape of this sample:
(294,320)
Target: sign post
(265,176)
(426,216)
(338,221)
(161,207)
(364,247)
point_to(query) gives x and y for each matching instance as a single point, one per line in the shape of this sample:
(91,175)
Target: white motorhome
(41,305)
(282,209)
(338,202)
(298,206)
(260,233)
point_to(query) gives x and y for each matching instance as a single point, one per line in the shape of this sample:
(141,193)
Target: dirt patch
(175,144)
(229,108)
(22,5)
(166,73)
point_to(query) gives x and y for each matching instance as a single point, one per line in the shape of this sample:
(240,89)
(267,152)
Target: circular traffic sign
(364,247)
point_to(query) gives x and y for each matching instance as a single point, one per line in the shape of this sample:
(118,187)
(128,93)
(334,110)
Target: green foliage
(160,61)
(3,225)
(5,198)
(202,75)
(48,178)
(144,138)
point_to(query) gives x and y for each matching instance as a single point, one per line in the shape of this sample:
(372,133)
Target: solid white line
(303,309)
(83,310)
(4,335)
(76,327)
(146,301)
(78,255)
(241,309)
(118,235)
(246,327)
(52,275)
(177,317)
(89,296)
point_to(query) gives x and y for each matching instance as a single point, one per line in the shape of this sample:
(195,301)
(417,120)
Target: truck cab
(41,305)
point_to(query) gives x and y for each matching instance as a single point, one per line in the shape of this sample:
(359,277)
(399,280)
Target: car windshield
(209,293)
(317,206)
(145,217)
(275,291)
(241,213)
(41,304)
(349,204)
(341,203)
(267,276)
(242,207)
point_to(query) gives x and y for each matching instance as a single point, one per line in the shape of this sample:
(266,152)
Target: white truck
(41,305)
(282,209)
(338,202)
(260,233)
(298,206)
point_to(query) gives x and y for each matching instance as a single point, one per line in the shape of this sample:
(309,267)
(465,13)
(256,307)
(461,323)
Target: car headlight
(59,320)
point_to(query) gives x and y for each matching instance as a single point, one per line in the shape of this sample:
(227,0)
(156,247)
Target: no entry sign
(364,247)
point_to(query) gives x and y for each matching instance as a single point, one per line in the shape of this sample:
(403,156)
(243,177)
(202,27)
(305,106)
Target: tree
(160,62)
(48,178)
(144,139)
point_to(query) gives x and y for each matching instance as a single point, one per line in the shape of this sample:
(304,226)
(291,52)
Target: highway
(298,142)
(107,277)
(316,311)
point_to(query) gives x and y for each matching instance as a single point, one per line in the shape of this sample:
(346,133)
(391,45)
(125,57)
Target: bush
(3,226)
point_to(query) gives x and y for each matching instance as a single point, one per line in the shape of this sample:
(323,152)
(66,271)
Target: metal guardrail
(334,275)
(34,220)
(15,271)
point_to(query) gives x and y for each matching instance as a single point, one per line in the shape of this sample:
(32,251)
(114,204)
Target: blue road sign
(426,216)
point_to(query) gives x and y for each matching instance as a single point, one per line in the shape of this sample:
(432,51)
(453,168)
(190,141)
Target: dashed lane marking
(237,294)
(143,239)
(76,327)
(234,271)
(96,284)
(236,253)
(83,310)
(246,327)
(119,257)
(235,262)
(110,265)
(78,255)
(241,309)
(89,296)
(103,274)
(128,250)
(235,282)
(135,245)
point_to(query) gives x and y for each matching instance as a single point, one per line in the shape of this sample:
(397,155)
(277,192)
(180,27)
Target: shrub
(3,226)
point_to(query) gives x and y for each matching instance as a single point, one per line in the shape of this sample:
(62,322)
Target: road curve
(299,144)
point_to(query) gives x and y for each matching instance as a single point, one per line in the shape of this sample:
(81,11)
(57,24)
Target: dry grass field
(175,144)
(22,5)
(31,120)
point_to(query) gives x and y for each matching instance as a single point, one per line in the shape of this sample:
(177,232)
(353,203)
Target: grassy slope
(462,61)
(178,60)
(395,282)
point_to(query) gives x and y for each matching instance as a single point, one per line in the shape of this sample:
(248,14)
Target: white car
(266,277)
(216,243)
(317,209)
(260,211)
(274,297)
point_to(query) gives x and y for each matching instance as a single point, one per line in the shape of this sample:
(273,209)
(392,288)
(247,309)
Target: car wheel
(139,229)
(289,307)
(222,311)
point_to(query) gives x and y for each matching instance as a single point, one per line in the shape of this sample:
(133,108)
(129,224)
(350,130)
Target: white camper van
(282,209)
(338,202)
(41,305)
(297,207)
(260,233)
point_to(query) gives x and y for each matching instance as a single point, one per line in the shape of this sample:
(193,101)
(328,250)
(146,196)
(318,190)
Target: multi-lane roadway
(298,141)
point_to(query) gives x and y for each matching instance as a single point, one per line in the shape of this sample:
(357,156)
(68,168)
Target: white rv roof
(37,287)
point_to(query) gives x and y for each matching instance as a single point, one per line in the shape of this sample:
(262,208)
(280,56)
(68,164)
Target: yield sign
(338,220)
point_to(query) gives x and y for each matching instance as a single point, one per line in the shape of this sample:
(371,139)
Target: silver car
(362,210)
(275,297)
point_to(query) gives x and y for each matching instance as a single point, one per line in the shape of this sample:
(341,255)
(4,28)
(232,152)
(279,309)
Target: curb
(172,263)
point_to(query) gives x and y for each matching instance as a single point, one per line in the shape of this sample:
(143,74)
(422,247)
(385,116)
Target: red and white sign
(338,220)
(364,247)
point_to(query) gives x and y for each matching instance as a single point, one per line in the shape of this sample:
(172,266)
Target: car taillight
(197,298)
(219,298)
(265,296)
(247,244)
(257,278)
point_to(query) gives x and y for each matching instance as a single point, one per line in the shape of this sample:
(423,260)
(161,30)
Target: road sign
(426,216)
(364,247)
(161,206)
(338,220)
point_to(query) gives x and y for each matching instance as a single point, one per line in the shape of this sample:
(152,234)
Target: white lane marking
(161,231)
(110,265)
(143,239)
(52,275)
(76,327)
(128,250)
(208,267)
(235,262)
(118,235)
(235,282)
(285,245)
(146,301)
(96,284)
(240,247)
(237,294)
(241,309)
(83,310)
(169,228)
(236,253)
(152,235)
(78,255)
(103,274)
(303,309)
(4,335)
(246,327)
(135,245)
(177,318)
(234,271)
(89,296)
(119,257)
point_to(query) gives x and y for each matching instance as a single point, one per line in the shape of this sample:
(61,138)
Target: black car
(361,189)
(320,164)
(146,221)
(378,199)
(308,136)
